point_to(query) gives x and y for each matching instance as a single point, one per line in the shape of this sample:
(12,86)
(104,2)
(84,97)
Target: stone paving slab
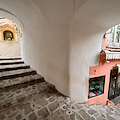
(48,104)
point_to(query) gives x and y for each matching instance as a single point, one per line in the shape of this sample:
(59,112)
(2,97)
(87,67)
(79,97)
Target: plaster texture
(10,48)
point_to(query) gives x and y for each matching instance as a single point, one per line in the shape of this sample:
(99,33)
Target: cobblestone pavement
(43,102)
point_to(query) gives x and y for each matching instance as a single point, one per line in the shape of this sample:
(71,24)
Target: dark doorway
(114,86)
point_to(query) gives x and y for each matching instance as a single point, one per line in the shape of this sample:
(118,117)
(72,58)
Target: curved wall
(87,28)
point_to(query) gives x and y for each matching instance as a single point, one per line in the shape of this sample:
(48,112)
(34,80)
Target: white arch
(6,14)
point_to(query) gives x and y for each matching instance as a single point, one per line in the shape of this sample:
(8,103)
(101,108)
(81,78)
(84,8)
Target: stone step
(13,67)
(14,95)
(10,58)
(20,80)
(16,82)
(16,73)
(10,62)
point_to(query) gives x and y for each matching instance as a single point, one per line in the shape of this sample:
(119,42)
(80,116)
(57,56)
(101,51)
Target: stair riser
(10,59)
(18,75)
(16,68)
(11,63)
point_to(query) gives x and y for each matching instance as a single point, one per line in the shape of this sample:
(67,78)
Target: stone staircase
(16,82)
(24,95)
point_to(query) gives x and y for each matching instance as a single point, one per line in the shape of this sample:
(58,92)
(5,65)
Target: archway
(10,39)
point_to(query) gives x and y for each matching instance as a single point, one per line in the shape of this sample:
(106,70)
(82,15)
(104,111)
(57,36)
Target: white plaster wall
(10,48)
(87,27)
(48,53)
(45,45)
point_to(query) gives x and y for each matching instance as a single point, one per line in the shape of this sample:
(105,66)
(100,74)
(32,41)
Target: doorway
(114,86)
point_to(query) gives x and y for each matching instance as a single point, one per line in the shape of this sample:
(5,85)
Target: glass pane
(96,86)
(117,34)
(111,35)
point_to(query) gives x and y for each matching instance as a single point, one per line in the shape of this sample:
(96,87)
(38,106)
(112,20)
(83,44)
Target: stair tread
(13,66)
(19,80)
(7,58)
(14,72)
(11,61)
(10,57)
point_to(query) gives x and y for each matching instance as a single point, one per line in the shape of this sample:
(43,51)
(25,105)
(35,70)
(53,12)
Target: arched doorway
(8,35)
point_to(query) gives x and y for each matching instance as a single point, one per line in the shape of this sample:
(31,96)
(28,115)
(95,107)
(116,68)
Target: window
(114,37)
(96,86)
